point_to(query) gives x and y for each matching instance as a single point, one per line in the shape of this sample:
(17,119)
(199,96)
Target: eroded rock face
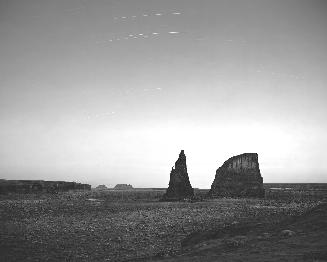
(179,183)
(239,176)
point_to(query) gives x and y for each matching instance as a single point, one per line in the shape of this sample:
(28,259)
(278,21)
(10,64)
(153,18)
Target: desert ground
(289,224)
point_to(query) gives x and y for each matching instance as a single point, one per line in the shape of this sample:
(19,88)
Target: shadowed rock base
(179,185)
(239,176)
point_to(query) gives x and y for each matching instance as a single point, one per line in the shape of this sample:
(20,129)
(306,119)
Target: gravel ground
(93,227)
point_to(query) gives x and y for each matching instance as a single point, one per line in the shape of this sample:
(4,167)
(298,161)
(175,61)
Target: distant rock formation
(179,184)
(101,187)
(39,186)
(239,176)
(123,187)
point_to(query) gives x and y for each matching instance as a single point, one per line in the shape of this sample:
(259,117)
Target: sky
(110,91)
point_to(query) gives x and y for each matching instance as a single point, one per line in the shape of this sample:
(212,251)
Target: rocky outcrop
(39,186)
(239,176)
(179,183)
(101,187)
(123,187)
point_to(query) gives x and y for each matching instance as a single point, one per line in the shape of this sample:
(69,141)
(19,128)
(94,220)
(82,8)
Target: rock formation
(123,187)
(101,187)
(239,176)
(179,183)
(39,186)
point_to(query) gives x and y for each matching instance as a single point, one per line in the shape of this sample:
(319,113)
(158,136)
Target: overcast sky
(108,92)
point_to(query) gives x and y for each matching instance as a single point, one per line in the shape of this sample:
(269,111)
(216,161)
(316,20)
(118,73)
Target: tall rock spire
(179,184)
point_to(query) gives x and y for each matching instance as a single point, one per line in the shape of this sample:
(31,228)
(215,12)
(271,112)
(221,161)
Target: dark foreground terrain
(133,226)
(299,238)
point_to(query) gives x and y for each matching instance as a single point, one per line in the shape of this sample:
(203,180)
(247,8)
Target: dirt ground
(299,238)
(136,226)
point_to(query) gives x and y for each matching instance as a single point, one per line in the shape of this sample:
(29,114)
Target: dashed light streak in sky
(100,115)
(145,15)
(139,35)
(135,36)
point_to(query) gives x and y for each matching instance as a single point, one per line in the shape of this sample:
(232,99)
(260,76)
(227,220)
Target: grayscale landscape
(163,130)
